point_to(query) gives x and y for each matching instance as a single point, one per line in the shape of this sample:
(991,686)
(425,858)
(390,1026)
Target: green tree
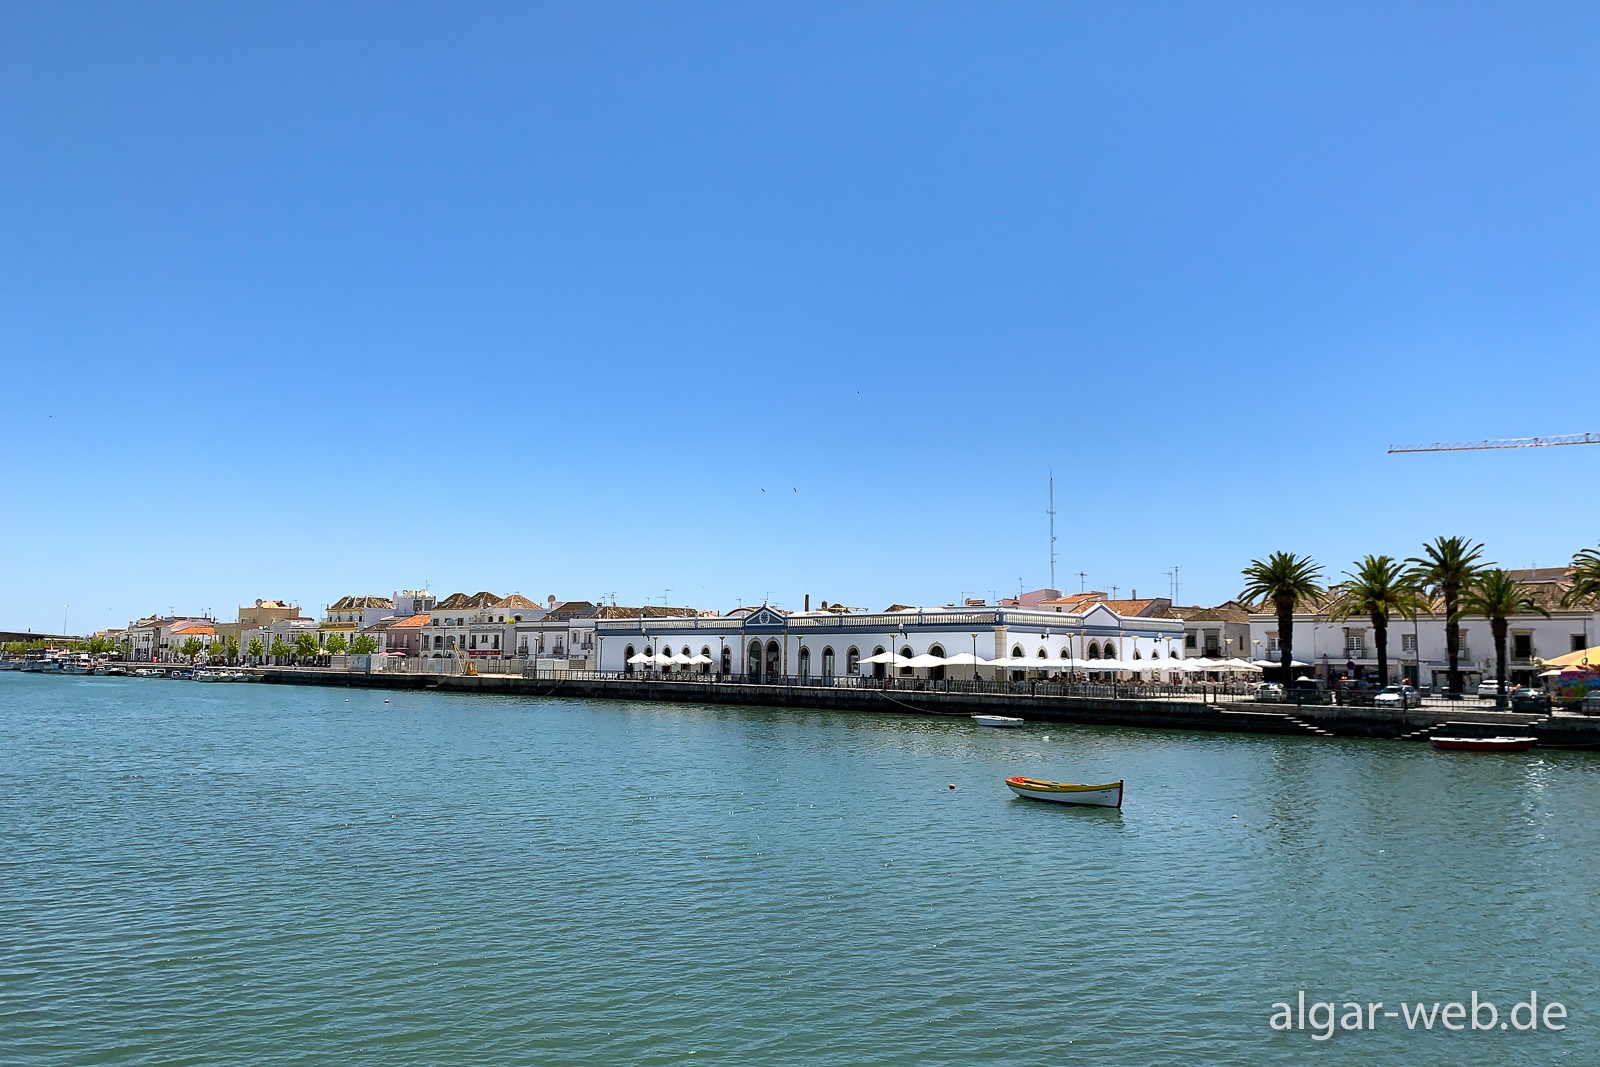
(99,646)
(305,646)
(1447,568)
(279,649)
(1585,578)
(190,648)
(1497,596)
(1379,589)
(254,649)
(337,645)
(1285,579)
(364,645)
(230,648)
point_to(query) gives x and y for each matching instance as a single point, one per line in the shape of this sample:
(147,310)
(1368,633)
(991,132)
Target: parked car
(1271,692)
(1398,696)
(1536,700)
(1489,688)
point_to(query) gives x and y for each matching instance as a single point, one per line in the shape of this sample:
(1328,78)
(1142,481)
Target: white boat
(149,672)
(997,720)
(1100,796)
(202,674)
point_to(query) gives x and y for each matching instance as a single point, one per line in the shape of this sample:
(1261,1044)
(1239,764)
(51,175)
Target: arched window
(1016,651)
(936,673)
(805,665)
(905,653)
(627,660)
(752,663)
(774,665)
(827,665)
(1137,654)
(1110,651)
(852,661)
(877,668)
(1066,653)
(1094,649)
(1042,653)
(705,654)
(727,660)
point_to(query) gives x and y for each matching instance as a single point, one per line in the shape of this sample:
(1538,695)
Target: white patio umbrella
(662,659)
(927,659)
(967,659)
(1274,663)
(678,659)
(641,657)
(884,657)
(1240,665)
(699,659)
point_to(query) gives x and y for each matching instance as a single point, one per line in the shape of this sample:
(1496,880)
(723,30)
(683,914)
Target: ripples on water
(255,874)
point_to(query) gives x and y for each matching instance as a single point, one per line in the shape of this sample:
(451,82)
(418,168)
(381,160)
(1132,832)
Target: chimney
(808,601)
(1135,594)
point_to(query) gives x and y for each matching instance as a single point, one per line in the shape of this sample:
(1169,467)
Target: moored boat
(997,720)
(1100,796)
(1484,744)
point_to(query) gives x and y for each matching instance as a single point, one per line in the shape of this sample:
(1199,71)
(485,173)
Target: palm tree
(1447,567)
(1585,576)
(1496,596)
(1378,589)
(1285,579)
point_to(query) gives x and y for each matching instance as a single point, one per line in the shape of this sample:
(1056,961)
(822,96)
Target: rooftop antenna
(1172,582)
(664,594)
(1052,513)
(1083,582)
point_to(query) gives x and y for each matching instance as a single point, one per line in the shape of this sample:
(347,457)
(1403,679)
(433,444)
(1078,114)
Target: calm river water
(209,874)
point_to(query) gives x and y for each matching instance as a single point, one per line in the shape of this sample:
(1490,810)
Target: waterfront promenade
(1216,708)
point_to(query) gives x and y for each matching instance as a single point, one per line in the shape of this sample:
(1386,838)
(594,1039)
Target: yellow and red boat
(1100,796)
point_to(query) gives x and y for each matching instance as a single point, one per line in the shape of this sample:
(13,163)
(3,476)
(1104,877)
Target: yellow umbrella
(1581,658)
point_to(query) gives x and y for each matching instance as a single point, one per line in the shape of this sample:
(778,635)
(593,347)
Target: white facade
(821,646)
(1332,648)
(287,629)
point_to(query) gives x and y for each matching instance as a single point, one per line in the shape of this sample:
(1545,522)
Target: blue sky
(321,299)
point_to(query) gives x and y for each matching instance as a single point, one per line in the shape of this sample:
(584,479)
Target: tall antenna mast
(1052,514)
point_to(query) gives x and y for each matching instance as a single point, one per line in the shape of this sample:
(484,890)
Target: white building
(1348,648)
(767,643)
(289,630)
(351,614)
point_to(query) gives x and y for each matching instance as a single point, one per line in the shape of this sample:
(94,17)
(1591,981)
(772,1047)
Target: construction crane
(1504,442)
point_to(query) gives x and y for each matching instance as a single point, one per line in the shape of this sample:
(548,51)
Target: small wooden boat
(997,720)
(1101,796)
(1484,744)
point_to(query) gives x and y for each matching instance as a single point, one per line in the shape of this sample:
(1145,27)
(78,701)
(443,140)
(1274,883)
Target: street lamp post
(974,658)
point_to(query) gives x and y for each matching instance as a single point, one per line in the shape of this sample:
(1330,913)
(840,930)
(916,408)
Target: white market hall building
(766,643)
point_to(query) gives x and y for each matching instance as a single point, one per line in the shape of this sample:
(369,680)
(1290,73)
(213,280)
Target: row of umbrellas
(1022,663)
(1044,663)
(670,659)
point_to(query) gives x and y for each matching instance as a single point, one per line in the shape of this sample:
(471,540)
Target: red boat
(1484,744)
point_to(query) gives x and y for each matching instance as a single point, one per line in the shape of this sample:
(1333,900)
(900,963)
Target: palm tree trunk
(1499,627)
(1286,639)
(1380,637)
(1452,642)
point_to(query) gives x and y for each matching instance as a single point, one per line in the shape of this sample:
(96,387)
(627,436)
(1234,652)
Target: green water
(210,874)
